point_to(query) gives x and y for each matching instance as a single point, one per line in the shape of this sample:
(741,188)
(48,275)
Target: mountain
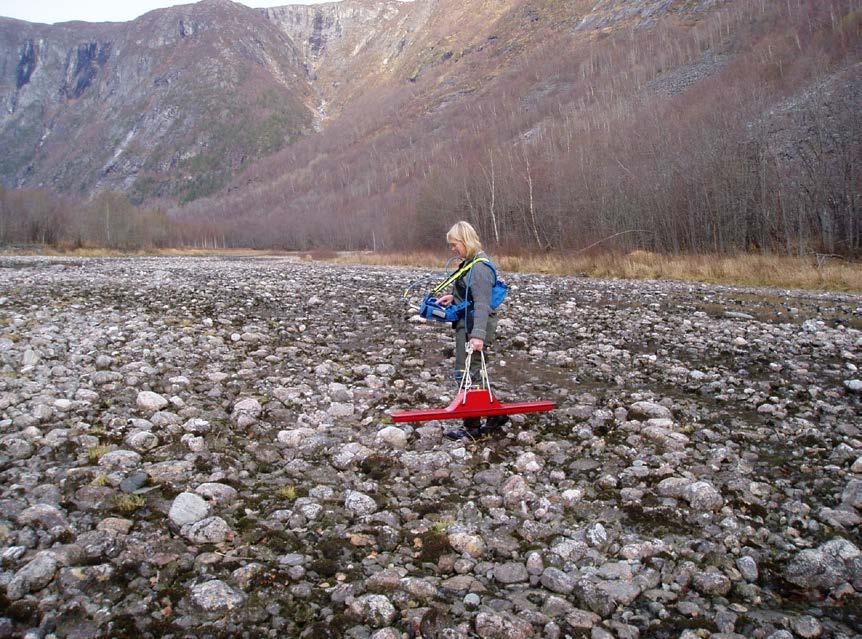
(670,125)
(175,103)
(169,105)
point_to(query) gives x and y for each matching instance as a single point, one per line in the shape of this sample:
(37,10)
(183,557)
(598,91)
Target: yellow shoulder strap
(457,274)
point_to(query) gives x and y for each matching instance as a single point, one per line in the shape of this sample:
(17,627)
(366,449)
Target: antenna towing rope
(473,402)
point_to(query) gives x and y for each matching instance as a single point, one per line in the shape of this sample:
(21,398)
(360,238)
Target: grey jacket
(481,278)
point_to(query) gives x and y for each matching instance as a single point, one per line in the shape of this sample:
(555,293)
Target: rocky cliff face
(346,44)
(171,104)
(179,100)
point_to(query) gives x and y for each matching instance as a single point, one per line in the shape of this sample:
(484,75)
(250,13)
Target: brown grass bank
(810,272)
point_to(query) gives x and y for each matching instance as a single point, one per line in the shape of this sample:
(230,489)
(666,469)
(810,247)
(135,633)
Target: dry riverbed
(198,447)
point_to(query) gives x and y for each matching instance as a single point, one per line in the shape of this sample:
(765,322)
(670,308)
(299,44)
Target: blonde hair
(465,233)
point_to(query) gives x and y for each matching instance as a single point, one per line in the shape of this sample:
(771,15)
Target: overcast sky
(52,11)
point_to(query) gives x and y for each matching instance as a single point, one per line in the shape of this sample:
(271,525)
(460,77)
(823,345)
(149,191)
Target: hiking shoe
(493,424)
(471,428)
(455,433)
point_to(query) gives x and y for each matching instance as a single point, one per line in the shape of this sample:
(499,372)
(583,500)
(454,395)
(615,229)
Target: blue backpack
(431,310)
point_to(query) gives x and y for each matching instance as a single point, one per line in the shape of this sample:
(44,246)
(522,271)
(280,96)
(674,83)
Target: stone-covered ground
(201,448)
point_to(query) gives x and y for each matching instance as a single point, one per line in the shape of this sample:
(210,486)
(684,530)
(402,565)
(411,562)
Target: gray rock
(725,621)
(217,492)
(511,573)
(340,410)
(98,545)
(115,525)
(824,567)
(648,410)
(197,426)
(675,487)
(468,544)
(582,619)
(12,554)
(169,472)
(120,459)
(596,535)
(17,448)
(621,592)
(535,563)
(134,482)
(44,515)
(852,495)
(212,530)
(807,627)
(149,402)
(359,503)
(375,610)
(572,497)
(244,576)
(30,358)
(142,440)
(598,599)
(616,570)
(104,378)
(702,495)
(246,412)
(42,413)
(569,549)
(34,576)
(502,626)
(188,508)
(558,581)
(94,497)
(712,583)
(557,607)
(393,437)
(529,462)
(7,628)
(661,432)
(418,588)
(215,596)
(748,568)
(294,438)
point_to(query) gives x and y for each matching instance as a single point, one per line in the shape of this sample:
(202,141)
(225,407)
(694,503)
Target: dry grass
(287,493)
(127,504)
(749,270)
(832,274)
(100,480)
(95,453)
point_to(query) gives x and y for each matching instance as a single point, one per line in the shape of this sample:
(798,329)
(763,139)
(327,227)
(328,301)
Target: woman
(480,322)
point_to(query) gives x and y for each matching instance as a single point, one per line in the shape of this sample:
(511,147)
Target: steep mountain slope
(350,46)
(557,124)
(171,104)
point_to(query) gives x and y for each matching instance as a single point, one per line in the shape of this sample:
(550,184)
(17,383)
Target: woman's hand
(446,300)
(476,343)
